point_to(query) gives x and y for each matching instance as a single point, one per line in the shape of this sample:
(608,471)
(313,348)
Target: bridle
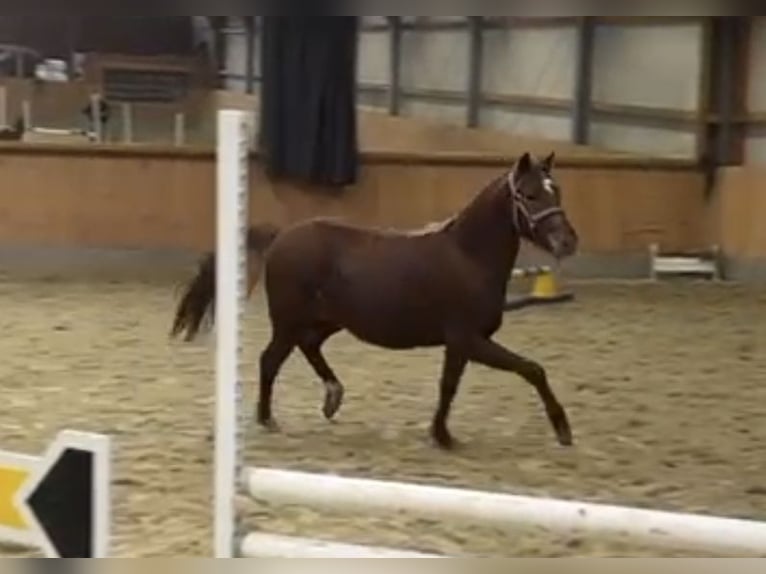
(533,220)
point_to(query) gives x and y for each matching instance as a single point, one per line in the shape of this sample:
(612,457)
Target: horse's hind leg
(452,371)
(272,359)
(311,346)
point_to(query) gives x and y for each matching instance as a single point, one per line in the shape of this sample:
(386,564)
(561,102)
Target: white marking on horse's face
(549,185)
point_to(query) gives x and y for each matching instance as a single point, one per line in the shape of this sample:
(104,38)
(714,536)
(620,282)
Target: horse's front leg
(493,355)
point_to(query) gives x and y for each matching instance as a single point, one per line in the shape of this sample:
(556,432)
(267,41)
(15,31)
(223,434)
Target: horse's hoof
(444,440)
(333,399)
(270,426)
(563,432)
(565,438)
(560,423)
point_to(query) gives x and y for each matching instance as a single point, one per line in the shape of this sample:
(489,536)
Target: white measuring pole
(232,196)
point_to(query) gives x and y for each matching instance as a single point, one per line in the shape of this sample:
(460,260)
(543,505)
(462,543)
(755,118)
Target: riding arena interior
(484,307)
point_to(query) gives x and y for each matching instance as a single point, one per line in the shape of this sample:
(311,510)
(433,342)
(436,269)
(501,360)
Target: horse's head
(534,197)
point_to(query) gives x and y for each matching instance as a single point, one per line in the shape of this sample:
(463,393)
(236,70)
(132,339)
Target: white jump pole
(531,271)
(363,496)
(232,196)
(261,545)
(98,124)
(26,114)
(127,122)
(3,107)
(179,129)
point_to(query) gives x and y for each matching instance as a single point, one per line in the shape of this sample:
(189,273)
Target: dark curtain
(308,98)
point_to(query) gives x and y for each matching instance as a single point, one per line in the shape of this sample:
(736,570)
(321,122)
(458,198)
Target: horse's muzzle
(563,245)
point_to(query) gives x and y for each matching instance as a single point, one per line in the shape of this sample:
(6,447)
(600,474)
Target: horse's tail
(198,297)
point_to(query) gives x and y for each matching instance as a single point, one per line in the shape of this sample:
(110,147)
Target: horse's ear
(549,161)
(524,164)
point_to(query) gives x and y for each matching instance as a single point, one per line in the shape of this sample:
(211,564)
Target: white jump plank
(677,530)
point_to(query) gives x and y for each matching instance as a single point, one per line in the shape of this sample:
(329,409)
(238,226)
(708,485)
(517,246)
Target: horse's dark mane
(476,220)
(449,224)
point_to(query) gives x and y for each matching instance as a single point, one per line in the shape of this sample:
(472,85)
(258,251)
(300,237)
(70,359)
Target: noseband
(533,220)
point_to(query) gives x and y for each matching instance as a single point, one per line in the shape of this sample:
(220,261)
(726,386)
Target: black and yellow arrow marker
(58,502)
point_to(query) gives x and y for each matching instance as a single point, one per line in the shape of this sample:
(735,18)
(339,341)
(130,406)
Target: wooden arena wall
(740,208)
(150,198)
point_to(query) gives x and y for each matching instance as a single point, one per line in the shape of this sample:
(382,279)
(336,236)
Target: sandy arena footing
(665,385)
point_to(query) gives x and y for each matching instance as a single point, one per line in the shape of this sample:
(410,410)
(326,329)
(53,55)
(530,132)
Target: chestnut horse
(444,286)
